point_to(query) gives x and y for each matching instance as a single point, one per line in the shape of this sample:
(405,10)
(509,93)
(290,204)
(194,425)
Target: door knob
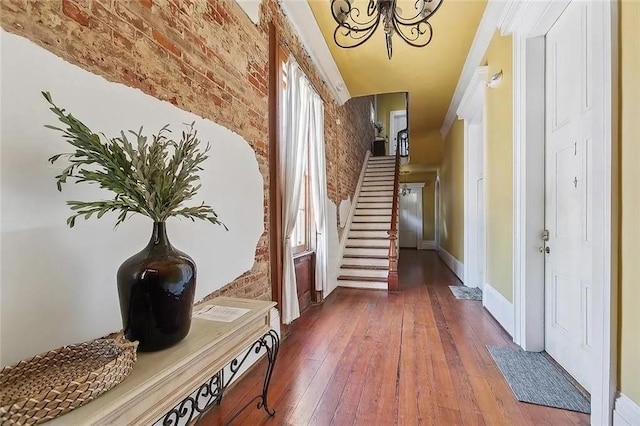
(544,250)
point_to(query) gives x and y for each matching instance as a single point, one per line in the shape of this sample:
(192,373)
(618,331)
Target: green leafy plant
(153,178)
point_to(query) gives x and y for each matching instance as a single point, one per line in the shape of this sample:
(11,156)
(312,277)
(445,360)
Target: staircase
(365,263)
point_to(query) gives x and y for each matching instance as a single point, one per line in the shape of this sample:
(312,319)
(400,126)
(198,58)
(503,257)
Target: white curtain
(294,131)
(318,174)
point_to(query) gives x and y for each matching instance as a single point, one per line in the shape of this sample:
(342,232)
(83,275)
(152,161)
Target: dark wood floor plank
(415,357)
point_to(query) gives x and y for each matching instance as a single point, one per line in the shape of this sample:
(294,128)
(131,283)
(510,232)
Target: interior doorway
(410,215)
(397,122)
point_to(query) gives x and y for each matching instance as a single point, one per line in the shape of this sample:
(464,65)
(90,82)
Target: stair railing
(392,280)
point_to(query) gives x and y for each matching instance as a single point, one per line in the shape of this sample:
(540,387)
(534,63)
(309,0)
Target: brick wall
(205,57)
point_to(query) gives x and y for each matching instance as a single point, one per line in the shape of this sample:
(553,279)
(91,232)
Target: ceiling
(429,74)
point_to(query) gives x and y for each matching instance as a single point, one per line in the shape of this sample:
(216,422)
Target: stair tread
(365,256)
(358,278)
(366,267)
(369,238)
(367,247)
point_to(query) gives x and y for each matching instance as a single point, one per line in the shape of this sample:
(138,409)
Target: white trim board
(626,412)
(529,21)
(428,245)
(454,264)
(352,210)
(486,28)
(499,307)
(306,27)
(471,110)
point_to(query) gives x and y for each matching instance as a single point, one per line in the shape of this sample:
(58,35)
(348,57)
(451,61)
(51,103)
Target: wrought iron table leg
(272,354)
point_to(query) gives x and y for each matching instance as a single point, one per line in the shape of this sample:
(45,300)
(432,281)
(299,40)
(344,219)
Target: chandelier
(356,26)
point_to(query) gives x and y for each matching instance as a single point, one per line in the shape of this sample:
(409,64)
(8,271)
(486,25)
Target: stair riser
(365,262)
(368,234)
(367,251)
(369,205)
(364,273)
(385,219)
(385,179)
(373,212)
(377,190)
(358,227)
(363,285)
(374,196)
(367,243)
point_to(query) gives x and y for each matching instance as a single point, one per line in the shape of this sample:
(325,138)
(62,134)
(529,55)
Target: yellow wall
(452,193)
(385,104)
(629,314)
(499,168)
(426,148)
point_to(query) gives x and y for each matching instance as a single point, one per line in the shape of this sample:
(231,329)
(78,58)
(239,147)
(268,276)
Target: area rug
(466,293)
(536,379)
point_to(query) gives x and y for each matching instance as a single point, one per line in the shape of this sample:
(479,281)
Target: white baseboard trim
(626,412)
(428,245)
(352,210)
(499,307)
(454,264)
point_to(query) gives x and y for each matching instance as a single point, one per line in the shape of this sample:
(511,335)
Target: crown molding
(488,24)
(301,18)
(530,18)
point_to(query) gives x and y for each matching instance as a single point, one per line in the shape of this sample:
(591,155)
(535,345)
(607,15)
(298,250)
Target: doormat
(536,379)
(466,293)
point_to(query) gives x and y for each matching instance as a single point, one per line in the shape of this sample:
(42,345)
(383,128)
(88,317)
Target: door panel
(568,284)
(408,220)
(398,122)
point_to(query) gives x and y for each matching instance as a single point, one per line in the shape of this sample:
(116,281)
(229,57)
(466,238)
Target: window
(301,231)
(300,237)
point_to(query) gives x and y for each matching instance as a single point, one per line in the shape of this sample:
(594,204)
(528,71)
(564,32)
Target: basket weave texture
(56,382)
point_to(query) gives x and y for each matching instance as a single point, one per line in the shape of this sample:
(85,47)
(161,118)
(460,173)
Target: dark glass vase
(156,289)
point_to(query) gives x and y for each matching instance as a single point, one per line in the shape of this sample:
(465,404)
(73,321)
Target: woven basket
(56,382)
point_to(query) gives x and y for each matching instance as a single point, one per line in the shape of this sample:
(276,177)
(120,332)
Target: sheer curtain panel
(294,133)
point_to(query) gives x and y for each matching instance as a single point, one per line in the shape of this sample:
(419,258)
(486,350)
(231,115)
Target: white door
(398,121)
(410,219)
(568,186)
(476,203)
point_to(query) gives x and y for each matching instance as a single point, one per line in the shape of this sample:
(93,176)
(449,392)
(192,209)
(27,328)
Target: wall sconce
(495,80)
(405,190)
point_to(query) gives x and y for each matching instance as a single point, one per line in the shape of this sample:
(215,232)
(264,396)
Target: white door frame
(529,21)
(392,130)
(415,187)
(471,110)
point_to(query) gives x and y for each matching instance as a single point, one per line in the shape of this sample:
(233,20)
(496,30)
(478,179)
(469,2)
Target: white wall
(58,284)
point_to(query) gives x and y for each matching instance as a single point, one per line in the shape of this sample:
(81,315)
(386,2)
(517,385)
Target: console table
(174,386)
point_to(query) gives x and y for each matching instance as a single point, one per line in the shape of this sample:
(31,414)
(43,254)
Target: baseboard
(454,264)
(499,307)
(428,245)
(352,210)
(626,412)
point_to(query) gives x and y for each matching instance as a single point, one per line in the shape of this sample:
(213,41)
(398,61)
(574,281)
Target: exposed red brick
(73,11)
(166,43)
(212,62)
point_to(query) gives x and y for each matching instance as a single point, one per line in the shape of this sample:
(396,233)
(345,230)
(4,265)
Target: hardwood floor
(366,357)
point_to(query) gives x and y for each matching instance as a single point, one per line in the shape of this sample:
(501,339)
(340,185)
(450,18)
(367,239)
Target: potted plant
(152,177)
(378,126)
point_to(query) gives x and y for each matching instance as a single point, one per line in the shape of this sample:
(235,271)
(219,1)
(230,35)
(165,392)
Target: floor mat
(466,293)
(534,378)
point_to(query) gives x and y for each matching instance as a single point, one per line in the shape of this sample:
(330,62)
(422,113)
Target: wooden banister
(392,280)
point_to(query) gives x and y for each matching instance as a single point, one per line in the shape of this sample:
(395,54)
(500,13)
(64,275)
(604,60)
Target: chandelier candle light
(356,26)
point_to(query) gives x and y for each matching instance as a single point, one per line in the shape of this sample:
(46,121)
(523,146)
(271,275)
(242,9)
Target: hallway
(371,358)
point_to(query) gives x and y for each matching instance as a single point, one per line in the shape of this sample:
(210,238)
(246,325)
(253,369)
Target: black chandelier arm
(353,35)
(352,14)
(418,17)
(411,33)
